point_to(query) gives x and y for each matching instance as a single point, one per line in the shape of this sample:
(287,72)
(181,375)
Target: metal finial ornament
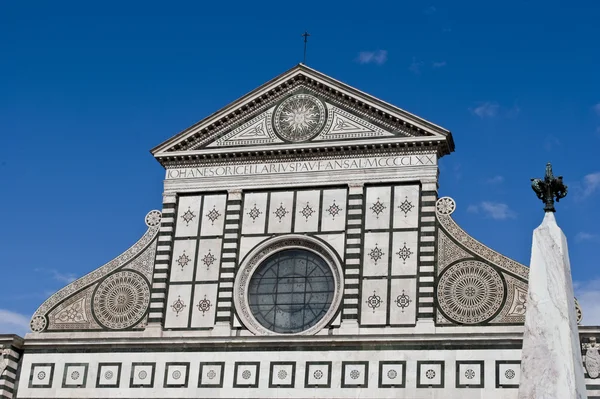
(549,188)
(305,35)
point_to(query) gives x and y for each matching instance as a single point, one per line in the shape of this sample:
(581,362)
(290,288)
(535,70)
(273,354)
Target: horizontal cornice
(320,150)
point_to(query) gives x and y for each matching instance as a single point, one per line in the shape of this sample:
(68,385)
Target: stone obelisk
(551,362)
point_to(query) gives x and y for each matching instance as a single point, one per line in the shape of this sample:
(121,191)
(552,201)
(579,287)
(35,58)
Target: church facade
(302,251)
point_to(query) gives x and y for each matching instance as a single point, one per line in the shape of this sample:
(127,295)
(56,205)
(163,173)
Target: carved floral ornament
(444,207)
(261,253)
(470,292)
(457,250)
(39,321)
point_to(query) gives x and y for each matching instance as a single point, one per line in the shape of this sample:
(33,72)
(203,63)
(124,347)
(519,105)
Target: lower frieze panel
(416,374)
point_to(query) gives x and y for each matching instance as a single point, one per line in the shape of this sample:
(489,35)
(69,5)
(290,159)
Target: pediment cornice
(405,126)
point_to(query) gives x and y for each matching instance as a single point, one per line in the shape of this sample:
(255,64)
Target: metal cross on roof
(305,35)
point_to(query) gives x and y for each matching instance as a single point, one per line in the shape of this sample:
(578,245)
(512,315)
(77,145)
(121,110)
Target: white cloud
(486,110)
(583,236)
(494,210)
(591,183)
(415,66)
(13,322)
(596,108)
(378,57)
(430,10)
(438,64)
(588,296)
(495,180)
(58,276)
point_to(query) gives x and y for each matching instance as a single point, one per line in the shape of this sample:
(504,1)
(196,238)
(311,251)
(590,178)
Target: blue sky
(86,90)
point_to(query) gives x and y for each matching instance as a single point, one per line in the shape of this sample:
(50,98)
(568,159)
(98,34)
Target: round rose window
(291,291)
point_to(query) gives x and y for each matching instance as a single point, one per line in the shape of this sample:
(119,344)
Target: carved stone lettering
(301,166)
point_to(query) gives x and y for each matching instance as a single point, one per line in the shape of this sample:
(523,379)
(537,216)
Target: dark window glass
(291,291)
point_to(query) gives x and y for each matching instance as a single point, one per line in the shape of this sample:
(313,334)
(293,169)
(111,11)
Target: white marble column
(551,363)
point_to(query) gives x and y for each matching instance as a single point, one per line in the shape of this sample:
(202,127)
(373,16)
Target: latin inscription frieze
(302,166)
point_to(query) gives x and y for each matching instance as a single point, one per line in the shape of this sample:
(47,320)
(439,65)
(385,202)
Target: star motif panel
(282,375)
(469,374)
(376,254)
(508,373)
(404,253)
(317,375)
(177,313)
(430,374)
(355,374)
(392,374)
(374,302)
(142,375)
(246,374)
(302,211)
(188,216)
(255,213)
(176,375)
(204,305)
(403,301)
(307,211)
(333,210)
(280,212)
(183,260)
(75,375)
(377,208)
(211,375)
(209,259)
(406,207)
(213,215)
(109,375)
(42,375)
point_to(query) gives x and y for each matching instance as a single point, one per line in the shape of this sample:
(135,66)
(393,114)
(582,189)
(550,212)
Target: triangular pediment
(300,108)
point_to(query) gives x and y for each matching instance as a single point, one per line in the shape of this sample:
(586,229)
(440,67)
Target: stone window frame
(269,247)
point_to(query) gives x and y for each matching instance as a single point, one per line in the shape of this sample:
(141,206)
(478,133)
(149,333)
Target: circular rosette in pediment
(299,118)
(121,300)
(470,292)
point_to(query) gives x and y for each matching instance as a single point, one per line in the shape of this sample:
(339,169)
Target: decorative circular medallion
(38,324)
(445,206)
(142,375)
(176,374)
(299,118)
(246,374)
(211,374)
(75,375)
(470,374)
(392,374)
(121,300)
(153,218)
(430,374)
(288,285)
(510,374)
(41,375)
(470,292)
(108,375)
(579,312)
(282,374)
(318,374)
(354,374)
